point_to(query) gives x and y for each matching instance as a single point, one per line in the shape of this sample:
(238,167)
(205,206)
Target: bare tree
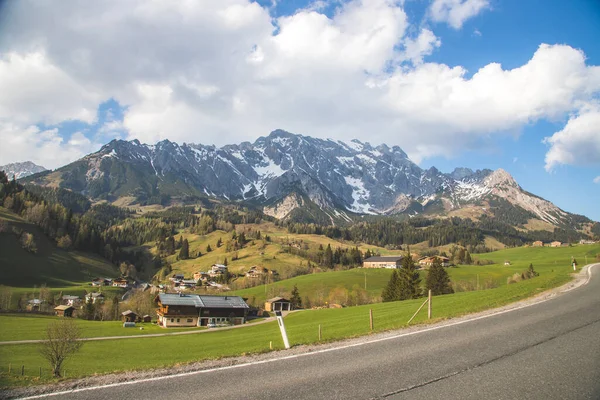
(62,340)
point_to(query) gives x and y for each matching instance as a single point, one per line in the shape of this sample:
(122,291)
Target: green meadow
(99,357)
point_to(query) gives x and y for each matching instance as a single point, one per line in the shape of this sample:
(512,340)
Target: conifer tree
(437,279)
(184,252)
(391,292)
(409,279)
(296,300)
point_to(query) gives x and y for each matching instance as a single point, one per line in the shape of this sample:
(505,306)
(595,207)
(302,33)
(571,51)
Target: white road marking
(205,371)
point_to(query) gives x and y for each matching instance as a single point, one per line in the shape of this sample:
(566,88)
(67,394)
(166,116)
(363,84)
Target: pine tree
(468,259)
(225,261)
(208,248)
(391,292)
(296,300)
(328,257)
(410,281)
(219,242)
(184,252)
(437,279)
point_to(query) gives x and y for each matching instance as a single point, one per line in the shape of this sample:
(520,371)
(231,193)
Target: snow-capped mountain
(284,171)
(21,169)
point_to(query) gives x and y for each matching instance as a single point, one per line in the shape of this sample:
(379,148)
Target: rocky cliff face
(278,170)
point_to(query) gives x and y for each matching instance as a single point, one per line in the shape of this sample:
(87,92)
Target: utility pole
(366,280)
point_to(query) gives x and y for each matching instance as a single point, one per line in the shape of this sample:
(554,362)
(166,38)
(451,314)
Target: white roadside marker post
(286,343)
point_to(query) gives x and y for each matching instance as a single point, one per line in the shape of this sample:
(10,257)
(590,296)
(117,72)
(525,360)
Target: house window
(177,319)
(190,320)
(171,319)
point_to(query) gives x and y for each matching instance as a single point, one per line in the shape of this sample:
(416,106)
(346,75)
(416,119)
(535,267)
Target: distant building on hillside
(428,261)
(390,262)
(555,244)
(538,243)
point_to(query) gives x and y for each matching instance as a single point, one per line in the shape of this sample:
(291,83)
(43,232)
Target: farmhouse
(217,269)
(95,297)
(259,272)
(128,316)
(200,276)
(278,304)
(428,261)
(70,300)
(120,282)
(383,262)
(34,305)
(64,311)
(176,310)
(555,244)
(538,243)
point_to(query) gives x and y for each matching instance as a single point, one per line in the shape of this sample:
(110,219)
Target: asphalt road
(546,351)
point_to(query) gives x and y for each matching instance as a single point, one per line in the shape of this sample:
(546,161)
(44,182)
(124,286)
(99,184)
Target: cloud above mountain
(222,72)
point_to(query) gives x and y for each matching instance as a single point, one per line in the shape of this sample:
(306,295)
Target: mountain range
(291,175)
(21,169)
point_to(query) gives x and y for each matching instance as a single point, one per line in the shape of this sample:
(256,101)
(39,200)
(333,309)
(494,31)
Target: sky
(455,83)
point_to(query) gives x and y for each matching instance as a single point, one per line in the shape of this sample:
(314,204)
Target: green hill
(49,265)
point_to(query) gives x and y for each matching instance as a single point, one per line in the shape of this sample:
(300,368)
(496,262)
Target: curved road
(549,350)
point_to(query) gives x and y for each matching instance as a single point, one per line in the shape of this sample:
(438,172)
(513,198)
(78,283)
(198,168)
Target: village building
(70,300)
(34,305)
(538,243)
(102,282)
(428,261)
(95,297)
(555,244)
(278,304)
(200,276)
(128,316)
(586,241)
(187,284)
(259,272)
(146,318)
(217,270)
(64,311)
(390,262)
(178,310)
(120,282)
(177,278)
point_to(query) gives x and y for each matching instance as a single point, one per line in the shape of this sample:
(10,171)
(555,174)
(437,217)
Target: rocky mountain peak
(500,178)
(21,169)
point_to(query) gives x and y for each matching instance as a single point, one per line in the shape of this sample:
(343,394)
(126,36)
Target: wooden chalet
(128,316)
(64,311)
(178,309)
(278,304)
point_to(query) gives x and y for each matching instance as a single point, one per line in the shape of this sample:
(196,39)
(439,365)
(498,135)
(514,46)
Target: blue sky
(419,74)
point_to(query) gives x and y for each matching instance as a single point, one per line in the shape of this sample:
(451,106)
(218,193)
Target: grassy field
(51,265)
(140,353)
(30,326)
(554,262)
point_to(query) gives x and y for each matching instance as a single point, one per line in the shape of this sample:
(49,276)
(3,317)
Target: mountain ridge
(282,171)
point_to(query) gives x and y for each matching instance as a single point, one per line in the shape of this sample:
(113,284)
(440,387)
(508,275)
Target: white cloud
(33,90)
(46,148)
(597,179)
(423,45)
(219,72)
(578,143)
(456,12)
